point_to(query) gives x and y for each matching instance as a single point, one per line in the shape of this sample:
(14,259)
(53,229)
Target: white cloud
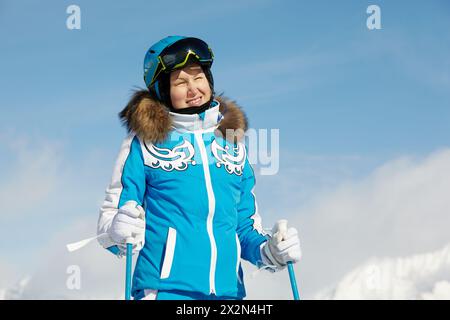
(29,177)
(43,190)
(16,291)
(398,210)
(102,275)
(8,275)
(441,291)
(42,194)
(422,276)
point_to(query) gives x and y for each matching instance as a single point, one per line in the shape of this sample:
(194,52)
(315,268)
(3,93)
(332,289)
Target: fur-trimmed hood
(151,120)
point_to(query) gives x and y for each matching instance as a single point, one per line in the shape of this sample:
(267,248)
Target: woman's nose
(192,89)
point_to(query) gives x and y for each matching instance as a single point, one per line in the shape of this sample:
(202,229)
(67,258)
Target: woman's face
(189,87)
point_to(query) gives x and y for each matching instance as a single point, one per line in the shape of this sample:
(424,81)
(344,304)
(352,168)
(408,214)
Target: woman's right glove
(282,247)
(128,226)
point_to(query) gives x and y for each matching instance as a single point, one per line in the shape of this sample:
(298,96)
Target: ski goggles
(178,54)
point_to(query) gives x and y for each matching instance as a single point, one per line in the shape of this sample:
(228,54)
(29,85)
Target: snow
(421,276)
(15,292)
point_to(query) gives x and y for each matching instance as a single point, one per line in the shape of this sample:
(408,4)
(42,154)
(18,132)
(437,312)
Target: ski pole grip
(281,229)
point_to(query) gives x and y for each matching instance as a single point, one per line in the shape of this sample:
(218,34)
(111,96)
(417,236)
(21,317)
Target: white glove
(282,247)
(128,226)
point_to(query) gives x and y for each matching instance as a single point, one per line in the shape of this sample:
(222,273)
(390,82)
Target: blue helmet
(172,53)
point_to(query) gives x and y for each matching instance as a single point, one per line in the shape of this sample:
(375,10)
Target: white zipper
(211,208)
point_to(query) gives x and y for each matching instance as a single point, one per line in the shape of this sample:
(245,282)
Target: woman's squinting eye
(177,83)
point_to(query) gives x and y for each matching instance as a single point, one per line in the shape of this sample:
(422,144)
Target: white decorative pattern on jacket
(178,158)
(234,162)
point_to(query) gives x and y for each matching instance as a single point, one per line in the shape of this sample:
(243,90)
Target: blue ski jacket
(196,187)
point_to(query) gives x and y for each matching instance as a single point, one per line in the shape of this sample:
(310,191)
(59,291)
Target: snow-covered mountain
(16,291)
(421,276)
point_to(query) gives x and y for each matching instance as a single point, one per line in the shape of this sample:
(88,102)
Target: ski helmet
(172,53)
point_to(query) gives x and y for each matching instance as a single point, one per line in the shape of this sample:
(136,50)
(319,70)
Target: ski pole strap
(80,244)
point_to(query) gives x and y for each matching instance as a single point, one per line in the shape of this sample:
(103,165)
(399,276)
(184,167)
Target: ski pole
(128,270)
(282,229)
(293,281)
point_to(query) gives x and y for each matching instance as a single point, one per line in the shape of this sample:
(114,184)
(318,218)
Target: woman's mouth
(195,102)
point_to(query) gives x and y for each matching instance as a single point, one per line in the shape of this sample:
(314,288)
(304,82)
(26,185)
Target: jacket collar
(151,120)
(208,119)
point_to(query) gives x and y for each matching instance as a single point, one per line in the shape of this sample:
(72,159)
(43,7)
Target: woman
(182,186)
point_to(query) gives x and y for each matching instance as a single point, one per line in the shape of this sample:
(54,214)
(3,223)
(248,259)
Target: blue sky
(345,99)
(313,70)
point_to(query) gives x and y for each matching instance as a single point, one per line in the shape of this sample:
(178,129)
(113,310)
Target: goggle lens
(177,55)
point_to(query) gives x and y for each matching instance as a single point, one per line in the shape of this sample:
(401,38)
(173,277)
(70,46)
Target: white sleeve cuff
(267,257)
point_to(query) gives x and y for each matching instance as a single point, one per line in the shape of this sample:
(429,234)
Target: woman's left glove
(282,247)
(128,225)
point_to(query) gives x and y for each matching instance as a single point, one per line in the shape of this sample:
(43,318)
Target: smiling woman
(182,189)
